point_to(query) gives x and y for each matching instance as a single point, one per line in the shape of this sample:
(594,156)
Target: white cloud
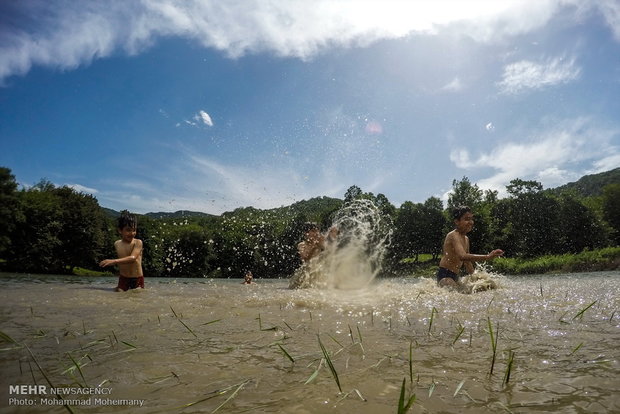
(454,85)
(611,13)
(554,176)
(546,155)
(65,35)
(200,118)
(203,117)
(526,75)
(607,163)
(82,189)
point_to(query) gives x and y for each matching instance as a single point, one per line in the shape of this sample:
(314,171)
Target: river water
(198,345)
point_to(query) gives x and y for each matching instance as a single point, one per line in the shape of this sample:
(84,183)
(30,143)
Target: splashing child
(313,243)
(129,251)
(311,272)
(456,253)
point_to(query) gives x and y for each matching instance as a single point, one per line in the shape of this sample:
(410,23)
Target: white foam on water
(481,280)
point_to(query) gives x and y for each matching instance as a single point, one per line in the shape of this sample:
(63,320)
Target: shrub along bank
(586,261)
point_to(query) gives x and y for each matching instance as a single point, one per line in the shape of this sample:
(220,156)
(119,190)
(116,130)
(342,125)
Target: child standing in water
(248,278)
(129,251)
(455,252)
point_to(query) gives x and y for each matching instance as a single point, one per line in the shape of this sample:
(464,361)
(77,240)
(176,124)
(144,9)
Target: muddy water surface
(201,345)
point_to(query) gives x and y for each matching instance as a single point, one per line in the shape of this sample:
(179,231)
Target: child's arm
(463,254)
(136,251)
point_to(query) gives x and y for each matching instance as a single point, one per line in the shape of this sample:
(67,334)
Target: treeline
(49,229)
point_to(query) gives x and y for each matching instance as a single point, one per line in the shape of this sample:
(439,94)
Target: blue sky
(208,105)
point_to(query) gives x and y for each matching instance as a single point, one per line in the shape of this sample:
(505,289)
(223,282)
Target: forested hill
(307,208)
(162,214)
(178,214)
(590,185)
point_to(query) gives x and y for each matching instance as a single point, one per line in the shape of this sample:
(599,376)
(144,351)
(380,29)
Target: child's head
(248,277)
(460,211)
(127,226)
(127,219)
(463,219)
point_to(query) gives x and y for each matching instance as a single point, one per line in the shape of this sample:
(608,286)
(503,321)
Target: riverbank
(586,261)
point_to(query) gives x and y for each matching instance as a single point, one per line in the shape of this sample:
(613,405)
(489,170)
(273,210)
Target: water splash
(353,259)
(482,279)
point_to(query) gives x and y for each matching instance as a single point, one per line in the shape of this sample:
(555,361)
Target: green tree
(432,226)
(611,209)
(384,205)
(352,193)
(58,230)
(9,208)
(189,254)
(519,187)
(285,258)
(81,234)
(533,220)
(418,228)
(35,238)
(580,228)
(502,232)
(404,239)
(464,193)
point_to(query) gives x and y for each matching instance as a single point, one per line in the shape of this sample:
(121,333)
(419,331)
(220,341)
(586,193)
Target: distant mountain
(590,185)
(161,215)
(178,214)
(311,206)
(312,209)
(110,213)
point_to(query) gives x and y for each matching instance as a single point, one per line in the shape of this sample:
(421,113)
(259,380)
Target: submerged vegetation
(49,229)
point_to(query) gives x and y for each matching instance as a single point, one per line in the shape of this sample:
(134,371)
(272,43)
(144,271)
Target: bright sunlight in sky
(205,105)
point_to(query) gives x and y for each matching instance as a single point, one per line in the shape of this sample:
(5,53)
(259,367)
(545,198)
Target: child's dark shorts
(443,273)
(126,283)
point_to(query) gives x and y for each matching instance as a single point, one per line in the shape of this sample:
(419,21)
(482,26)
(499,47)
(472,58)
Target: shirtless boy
(129,252)
(456,254)
(313,243)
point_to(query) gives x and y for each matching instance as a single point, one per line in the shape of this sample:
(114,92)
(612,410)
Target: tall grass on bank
(588,260)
